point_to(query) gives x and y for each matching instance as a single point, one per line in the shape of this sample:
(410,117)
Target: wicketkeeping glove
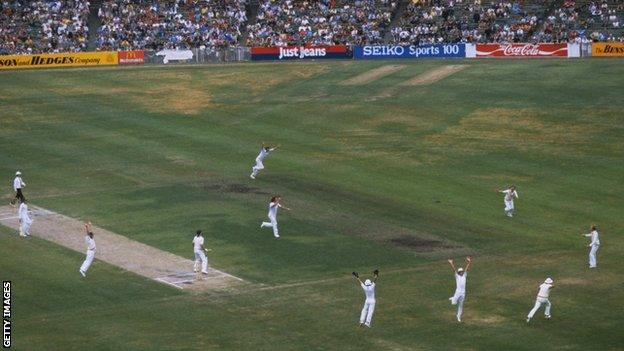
(355,275)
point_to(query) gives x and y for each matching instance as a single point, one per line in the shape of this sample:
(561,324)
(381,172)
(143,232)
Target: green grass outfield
(377,177)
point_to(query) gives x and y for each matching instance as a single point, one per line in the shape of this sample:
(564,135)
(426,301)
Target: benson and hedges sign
(608,49)
(70,59)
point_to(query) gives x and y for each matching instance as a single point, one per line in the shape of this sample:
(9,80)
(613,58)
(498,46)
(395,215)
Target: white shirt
(263,153)
(198,241)
(18,183)
(594,238)
(544,290)
(369,291)
(273,206)
(23,212)
(90,243)
(460,280)
(509,194)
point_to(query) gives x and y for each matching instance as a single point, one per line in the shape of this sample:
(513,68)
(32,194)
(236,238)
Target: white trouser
(88,260)
(458,299)
(509,206)
(272,224)
(592,256)
(538,303)
(367,312)
(257,168)
(200,257)
(25,226)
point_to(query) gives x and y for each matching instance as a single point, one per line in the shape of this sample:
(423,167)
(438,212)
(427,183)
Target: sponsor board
(309,52)
(134,57)
(608,49)
(175,55)
(522,50)
(375,52)
(69,59)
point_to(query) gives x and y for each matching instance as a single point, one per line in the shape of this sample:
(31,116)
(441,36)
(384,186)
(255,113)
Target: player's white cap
(548,281)
(460,269)
(18,173)
(367,282)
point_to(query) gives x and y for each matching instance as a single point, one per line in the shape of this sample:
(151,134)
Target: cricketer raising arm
(460,291)
(368,286)
(264,152)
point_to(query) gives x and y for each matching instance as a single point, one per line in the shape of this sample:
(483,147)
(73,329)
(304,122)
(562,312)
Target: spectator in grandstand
(178,24)
(288,22)
(28,27)
(428,22)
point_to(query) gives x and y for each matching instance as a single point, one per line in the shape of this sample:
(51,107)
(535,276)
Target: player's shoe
(528,320)
(367,325)
(252,176)
(547,316)
(458,319)
(206,273)
(82,273)
(276,236)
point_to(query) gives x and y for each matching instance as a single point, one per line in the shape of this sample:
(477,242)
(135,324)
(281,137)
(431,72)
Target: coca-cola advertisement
(522,50)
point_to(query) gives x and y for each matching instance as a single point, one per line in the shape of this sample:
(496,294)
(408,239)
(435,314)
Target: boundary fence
(312,52)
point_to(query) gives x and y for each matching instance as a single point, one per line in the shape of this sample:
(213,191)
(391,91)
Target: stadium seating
(427,21)
(288,22)
(585,21)
(156,25)
(43,26)
(61,26)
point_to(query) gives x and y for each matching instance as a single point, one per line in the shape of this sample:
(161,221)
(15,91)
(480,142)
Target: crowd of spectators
(61,26)
(436,21)
(583,23)
(28,27)
(292,22)
(173,24)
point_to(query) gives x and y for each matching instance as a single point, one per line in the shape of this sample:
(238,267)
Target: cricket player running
(594,245)
(460,291)
(542,299)
(264,152)
(24,219)
(369,304)
(18,184)
(90,241)
(200,253)
(274,205)
(510,194)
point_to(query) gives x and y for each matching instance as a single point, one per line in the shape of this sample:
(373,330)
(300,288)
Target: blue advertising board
(376,52)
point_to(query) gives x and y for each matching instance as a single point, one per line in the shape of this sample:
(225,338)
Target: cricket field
(384,171)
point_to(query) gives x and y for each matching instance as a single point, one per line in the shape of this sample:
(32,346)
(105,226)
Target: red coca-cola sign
(522,50)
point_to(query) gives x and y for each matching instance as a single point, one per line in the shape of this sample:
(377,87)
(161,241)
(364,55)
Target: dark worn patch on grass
(236,188)
(418,244)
